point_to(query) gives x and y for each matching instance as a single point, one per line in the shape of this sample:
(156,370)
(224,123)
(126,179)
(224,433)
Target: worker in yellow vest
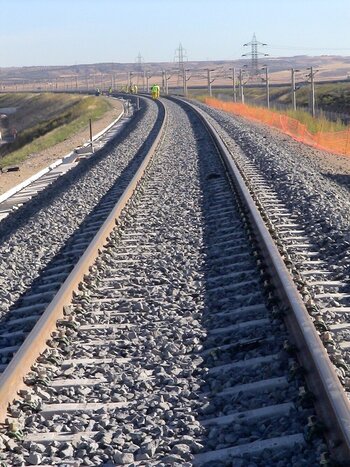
(133,89)
(155,91)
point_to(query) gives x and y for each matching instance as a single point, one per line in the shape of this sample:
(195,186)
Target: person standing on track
(155,91)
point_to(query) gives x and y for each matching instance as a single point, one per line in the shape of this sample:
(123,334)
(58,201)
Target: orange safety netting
(337,142)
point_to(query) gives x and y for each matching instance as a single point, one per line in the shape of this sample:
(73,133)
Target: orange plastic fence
(337,142)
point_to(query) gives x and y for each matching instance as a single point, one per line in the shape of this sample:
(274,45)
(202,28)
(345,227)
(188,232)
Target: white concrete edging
(55,164)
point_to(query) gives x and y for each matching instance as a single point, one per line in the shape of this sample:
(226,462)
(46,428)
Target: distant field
(81,77)
(43,120)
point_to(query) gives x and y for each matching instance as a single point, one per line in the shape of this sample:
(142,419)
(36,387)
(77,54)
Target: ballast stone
(123,458)
(34,458)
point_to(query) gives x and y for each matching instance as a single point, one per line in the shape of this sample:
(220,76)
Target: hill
(331,67)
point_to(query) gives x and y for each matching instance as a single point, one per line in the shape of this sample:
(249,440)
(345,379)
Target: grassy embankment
(329,97)
(43,120)
(315,124)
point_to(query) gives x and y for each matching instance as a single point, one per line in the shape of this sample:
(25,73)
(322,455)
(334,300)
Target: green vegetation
(329,97)
(254,96)
(199,96)
(65,115)
(315,124)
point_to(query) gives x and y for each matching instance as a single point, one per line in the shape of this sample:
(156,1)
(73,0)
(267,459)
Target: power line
(294,47)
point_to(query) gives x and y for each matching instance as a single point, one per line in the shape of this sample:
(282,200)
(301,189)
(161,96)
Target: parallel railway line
(25,191)
(49,225)
(167,342)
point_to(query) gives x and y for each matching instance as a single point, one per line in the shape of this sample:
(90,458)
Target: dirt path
(38,161)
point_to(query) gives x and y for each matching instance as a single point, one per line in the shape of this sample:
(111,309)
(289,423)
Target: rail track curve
(166,344)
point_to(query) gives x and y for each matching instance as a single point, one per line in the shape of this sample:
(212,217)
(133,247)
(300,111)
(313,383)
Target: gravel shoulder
(325,161)
(313,184)
(38,161)
(32,236)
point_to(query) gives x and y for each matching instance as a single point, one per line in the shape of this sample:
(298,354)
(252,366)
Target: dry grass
(67,116)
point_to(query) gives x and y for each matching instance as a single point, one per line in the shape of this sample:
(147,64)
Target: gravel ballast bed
(31,237)
(312,190)
(313,184)
(163,278)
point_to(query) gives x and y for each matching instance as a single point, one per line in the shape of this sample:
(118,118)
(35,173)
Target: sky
(68,32)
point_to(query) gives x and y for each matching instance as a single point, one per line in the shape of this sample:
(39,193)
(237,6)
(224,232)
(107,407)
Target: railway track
(51,227)
(178,338)
(321,274)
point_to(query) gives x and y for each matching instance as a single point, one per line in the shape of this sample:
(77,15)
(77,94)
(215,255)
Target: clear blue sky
(64,32)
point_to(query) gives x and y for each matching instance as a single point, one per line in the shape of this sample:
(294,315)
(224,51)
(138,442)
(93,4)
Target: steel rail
(12,380)
(331,402)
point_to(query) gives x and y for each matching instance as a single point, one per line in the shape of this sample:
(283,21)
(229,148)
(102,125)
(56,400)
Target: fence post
(90,128)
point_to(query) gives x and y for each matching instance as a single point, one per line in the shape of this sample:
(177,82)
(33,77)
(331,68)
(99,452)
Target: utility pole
(210,81)
(166,82)
(312,92)
(148,76)
(294,100)
(234,93)
(234,84)
(185,82)
(144,81)
(241,89)
(267,83)
(90,127)
(267,88)
(312,82)
(163,81)
(312,76)
(129,80)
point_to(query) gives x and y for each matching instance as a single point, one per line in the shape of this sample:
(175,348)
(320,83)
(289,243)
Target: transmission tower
(254,54)
(180,56)
(139,62)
